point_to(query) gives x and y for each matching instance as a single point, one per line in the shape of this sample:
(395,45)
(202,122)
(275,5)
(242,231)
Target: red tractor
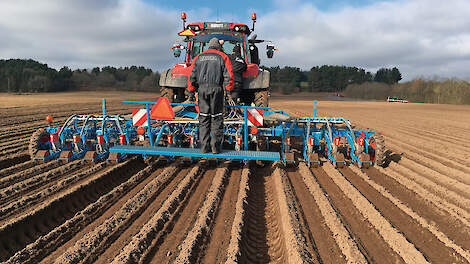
(173,82)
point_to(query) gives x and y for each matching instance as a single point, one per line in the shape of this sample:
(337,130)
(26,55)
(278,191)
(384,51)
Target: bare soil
(414,210)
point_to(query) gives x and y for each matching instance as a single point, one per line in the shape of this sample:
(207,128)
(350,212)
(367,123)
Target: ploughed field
(415,210)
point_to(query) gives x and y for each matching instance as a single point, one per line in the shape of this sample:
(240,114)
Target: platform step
(195,152)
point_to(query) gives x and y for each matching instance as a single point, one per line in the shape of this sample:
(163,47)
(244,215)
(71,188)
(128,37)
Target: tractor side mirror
(177,50)
(270,51)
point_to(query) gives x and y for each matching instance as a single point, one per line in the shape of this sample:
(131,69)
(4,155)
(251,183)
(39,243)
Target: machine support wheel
(377,153)
(168,93)
(261,98)
(38,137)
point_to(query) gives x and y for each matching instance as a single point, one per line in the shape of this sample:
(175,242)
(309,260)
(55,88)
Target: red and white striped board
(139,117)
(255,117)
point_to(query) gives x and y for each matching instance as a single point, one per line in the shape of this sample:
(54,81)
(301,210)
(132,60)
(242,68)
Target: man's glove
(235,96)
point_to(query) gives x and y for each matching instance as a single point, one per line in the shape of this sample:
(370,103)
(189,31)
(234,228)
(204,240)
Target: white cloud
(88,33)
(421,37)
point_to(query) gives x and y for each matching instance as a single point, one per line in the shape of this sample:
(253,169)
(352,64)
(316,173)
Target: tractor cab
(199,44)
(173,82)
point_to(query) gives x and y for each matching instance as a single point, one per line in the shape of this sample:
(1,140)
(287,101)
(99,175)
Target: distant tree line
(326,78)
(449,91)
(18,76)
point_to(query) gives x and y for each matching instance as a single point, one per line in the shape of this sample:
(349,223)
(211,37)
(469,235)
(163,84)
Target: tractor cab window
(200,44)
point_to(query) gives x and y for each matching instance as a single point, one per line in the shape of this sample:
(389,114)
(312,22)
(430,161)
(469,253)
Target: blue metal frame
(322,129)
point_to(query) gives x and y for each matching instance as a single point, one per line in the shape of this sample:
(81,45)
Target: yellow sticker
(187,33)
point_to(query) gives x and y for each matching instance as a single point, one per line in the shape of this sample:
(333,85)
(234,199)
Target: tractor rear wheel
(377,149)
(39,137)
(261,98)
(168,93)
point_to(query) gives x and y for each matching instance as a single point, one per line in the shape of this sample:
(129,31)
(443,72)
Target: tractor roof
(219,26)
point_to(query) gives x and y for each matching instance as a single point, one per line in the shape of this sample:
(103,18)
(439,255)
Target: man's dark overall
(211,71)
(238,66)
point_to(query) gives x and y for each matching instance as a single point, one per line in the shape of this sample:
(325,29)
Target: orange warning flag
(162,110)
(187,33)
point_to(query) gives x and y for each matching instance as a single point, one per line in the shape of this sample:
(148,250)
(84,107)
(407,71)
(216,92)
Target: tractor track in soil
(261,238)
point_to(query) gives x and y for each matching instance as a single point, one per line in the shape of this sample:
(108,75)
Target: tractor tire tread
(33,147)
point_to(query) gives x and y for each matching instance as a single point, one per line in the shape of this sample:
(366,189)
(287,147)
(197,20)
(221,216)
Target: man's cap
(214,44)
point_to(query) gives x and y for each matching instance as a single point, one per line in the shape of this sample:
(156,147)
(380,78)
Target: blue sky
(242,7)
(227,10)
(423,38)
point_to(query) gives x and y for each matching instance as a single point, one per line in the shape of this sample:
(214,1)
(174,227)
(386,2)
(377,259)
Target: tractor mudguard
(260,82)
(167,80)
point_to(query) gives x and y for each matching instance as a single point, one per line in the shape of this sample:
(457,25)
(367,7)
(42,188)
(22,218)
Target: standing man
(212,71)
(238,66)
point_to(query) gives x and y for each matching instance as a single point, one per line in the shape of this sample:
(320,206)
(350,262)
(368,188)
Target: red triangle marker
(162,110)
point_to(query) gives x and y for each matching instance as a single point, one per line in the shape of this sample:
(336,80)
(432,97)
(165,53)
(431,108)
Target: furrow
(455,197)
(392,236)
(8,161)
(448,168)
(17,168)
(28,173)
(92,244)
(49,245)
(125,237)
(13,152)
(11,192)
(432,224)
(17,141)
(10,147)
(196,237)
(32,198)
(367,238)
(435,154)
(431,197)
(349,252)
(166,247)
(218,243)
(422,238)
(443,180)
(31,224)
(140,242)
